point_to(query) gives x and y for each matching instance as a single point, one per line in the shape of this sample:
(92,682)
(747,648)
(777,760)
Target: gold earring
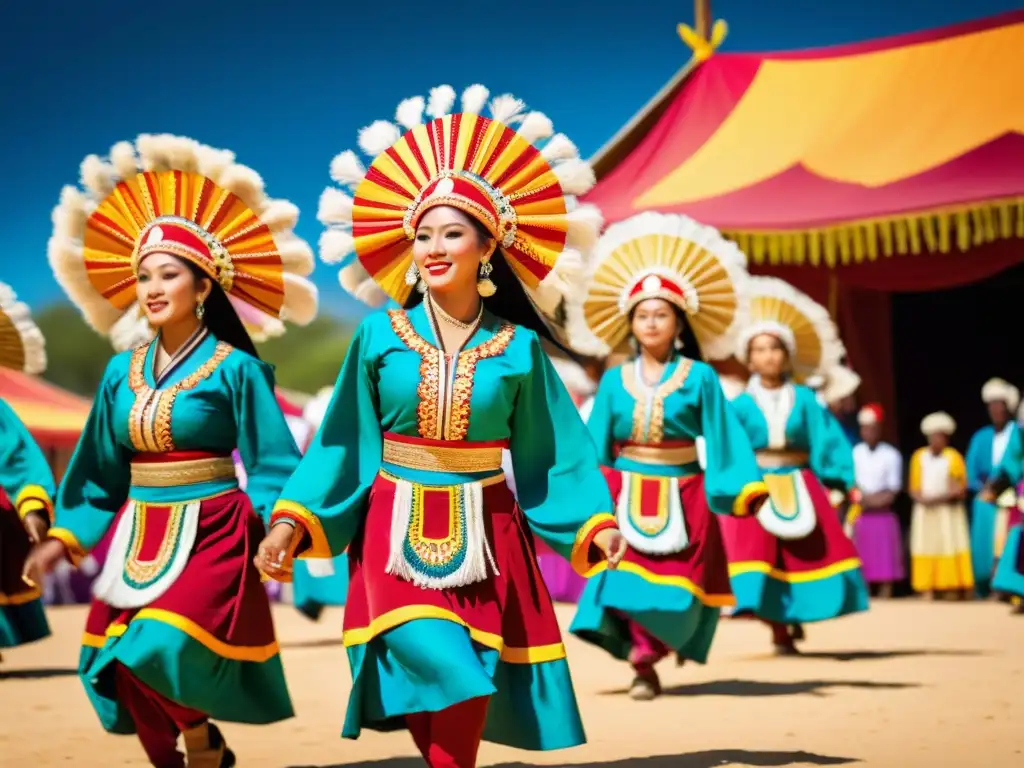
(200,309)
(484,285)
(412,275)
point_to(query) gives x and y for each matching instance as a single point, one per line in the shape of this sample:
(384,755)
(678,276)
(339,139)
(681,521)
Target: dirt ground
(908,684)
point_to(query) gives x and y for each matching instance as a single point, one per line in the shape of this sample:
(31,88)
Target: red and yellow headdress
(22,346)
(171,194)
(794,318)
(508,171)
(662,256)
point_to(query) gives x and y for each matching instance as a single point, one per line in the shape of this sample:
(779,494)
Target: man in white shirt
(876,532)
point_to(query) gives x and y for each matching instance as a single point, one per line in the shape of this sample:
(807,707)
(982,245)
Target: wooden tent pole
(702,18)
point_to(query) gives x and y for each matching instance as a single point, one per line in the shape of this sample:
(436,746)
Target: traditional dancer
(1009,574)
(655,278)
(793,564)
(984,454)
(448,627)
(26,483)
(838,390)
(181,631)
(940,554)
(876,532)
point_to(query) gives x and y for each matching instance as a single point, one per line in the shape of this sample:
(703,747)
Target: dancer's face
(448,250)
(168,291)
(767,356)
(655,325)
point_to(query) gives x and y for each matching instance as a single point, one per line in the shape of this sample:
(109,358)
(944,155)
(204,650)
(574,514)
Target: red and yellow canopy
(911,144)
(53,416)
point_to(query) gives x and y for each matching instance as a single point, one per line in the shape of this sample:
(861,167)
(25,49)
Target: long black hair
(220,317)
(690,347)
(510,301)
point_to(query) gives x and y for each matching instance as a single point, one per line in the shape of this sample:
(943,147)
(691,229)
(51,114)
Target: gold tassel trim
(939,231)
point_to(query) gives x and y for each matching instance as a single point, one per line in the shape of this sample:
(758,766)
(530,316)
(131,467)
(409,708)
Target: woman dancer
(26,484)
(984,454)
(876,532)
(181,630)
(1009,575)
(940,555)
(792,564)
(448,627)
(657,277)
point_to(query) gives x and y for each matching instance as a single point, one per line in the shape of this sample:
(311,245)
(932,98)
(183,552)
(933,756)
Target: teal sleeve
(1011,466)
(976,475)
(732,480)
(24,474)
(329,490)
(831,453)
(96,482)
(599,422)
(264,441)
(561,489)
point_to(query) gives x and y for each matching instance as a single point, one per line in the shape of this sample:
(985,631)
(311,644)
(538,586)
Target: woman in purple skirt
(876,532)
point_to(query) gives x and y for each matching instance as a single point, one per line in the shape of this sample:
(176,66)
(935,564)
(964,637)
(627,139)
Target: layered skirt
(180,604)
(417,642)
(792,563)
(982,548)
(940,548)
(676,594)
(879,543)
(22,619)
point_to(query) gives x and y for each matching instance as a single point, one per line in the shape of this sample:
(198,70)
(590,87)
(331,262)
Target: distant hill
(305,359)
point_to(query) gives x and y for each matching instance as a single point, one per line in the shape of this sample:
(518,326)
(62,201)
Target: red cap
(870,414)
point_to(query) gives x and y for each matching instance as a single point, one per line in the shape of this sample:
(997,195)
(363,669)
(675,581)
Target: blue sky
(287,85)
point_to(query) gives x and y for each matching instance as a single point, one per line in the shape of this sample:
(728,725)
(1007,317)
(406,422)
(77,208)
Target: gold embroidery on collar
(653,432)
(462,389)
(149,426)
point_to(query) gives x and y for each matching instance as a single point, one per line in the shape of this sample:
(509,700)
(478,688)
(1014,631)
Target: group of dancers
(673,502)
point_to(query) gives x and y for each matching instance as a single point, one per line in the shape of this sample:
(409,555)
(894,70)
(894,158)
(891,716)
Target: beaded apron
(650,514)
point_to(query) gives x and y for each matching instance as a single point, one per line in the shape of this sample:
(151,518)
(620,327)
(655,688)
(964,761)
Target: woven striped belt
(663,454)
(454,457)
(779,459)
(174,469)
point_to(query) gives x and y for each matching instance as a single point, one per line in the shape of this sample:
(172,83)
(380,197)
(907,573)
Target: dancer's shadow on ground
(767,688)
(37,674)
(714,758)
(882,655)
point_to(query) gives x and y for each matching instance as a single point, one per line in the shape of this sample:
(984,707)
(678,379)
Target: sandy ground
(908,684)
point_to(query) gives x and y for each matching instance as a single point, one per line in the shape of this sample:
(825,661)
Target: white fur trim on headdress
(800,323)
(1000,389)
(22,345)
(938,423)
(575,176)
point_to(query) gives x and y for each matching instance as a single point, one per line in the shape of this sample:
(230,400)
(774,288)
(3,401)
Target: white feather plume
(347,169)
(296,255)
(576,177)
(244,182)
(70,215)
(441,101)
(300,300)
(378,136)
(474,99)
(535,127)
(335,207)
(585,222)
(131,330)
(335,245)
(279,215)
(410,112)
(98,177)
(506,108)
(124,160)
(559,148)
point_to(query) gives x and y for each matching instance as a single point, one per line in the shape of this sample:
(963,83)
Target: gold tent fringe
(939,231)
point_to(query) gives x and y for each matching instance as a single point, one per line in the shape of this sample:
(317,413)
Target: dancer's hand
(41,560)
(274,556)
(612,543)
(35,526)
